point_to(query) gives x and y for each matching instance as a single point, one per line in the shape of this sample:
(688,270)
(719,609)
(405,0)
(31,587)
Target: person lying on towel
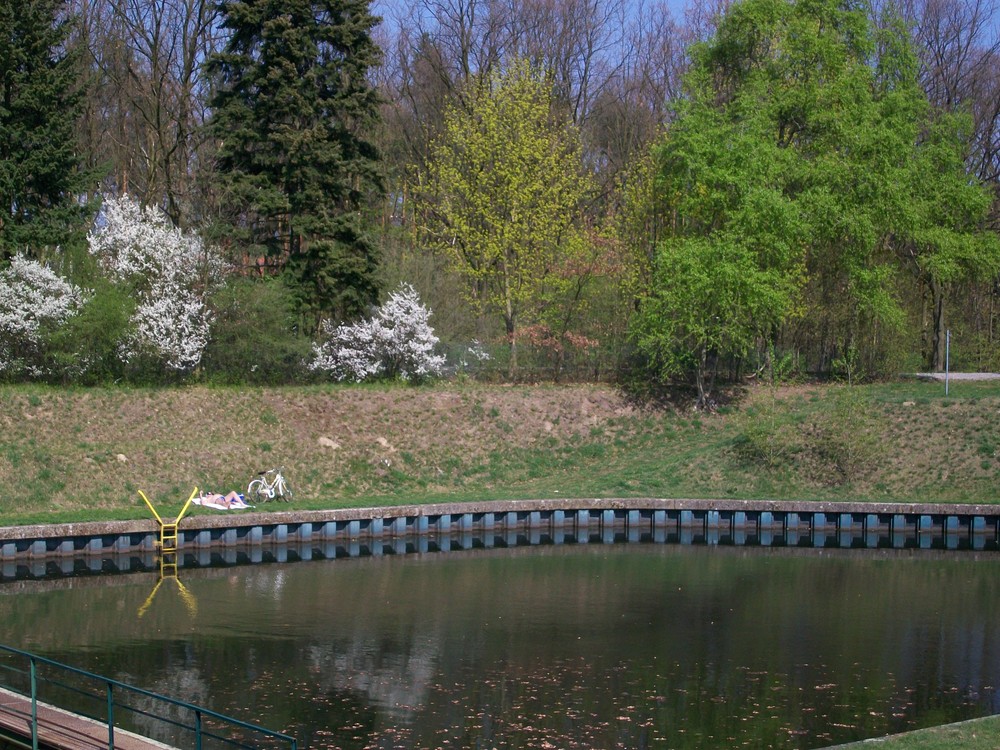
(233,499)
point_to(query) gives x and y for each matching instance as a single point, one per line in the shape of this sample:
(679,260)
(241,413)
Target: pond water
(584,646)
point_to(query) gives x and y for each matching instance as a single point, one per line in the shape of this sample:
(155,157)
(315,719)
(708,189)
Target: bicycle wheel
(257,491)
(286,492)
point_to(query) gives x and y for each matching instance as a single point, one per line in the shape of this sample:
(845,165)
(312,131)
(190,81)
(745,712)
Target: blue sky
(390,8)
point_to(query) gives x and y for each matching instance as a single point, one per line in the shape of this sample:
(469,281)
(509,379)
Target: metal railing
(104,700)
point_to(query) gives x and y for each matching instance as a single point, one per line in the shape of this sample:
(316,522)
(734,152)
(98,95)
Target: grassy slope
(977,734)
(73,454)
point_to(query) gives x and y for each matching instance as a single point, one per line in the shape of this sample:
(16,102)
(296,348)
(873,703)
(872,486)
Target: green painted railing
(70,689)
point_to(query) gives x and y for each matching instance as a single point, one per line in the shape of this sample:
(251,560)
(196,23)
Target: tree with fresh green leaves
(292,115)
(504,198)
(42,183)
(802,159)
(729,270)
(848,104)
(947,243)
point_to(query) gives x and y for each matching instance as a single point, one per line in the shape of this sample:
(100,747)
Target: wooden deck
(62,730)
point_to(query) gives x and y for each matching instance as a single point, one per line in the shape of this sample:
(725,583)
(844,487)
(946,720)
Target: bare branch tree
(632,106)
(148,96)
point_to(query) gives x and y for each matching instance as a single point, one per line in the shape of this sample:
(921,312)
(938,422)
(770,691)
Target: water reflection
(189,599)
(703,528)
(577,646)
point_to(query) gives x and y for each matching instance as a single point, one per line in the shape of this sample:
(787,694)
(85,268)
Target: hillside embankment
(83,454)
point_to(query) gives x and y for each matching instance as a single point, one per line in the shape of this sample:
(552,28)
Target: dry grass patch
(85,453)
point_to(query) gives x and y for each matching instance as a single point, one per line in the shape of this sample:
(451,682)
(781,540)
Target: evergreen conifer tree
(292,116)
(41,176)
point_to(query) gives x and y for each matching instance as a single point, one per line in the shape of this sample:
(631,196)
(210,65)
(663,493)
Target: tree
(959,48)
(291,116)
(34,302)
(946,241)
(729,270)
(41,180)
(802,160)
(570,39)
(504,197)
(145,104)
(168,272)
(396,342)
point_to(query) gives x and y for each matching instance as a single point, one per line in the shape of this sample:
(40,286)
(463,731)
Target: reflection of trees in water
(270,584)
(481,646)
(160,719)
(393,677)
(945,665)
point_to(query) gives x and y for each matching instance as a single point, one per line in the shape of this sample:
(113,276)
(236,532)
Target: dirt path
(957,376)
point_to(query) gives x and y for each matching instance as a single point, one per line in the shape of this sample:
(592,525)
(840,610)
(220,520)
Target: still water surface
(589,646)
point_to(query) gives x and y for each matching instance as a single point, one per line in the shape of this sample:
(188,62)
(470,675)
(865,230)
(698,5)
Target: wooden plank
(62,730)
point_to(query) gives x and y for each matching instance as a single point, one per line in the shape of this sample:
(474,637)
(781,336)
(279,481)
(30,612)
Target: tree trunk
(938,334)
(512,337)
(510,320)
(699,378)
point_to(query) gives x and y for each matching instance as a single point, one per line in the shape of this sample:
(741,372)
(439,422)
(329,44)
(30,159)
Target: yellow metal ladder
(167,543)
(168,549)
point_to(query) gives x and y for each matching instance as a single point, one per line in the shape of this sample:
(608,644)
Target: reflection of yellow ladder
(168,565)
(189,601)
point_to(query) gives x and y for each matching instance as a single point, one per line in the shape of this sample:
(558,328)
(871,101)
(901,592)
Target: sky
(395,8)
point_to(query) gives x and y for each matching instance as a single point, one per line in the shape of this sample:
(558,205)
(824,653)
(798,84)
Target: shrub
(140,245)
(171,324)
(254,334)
(765,436)
(34,302)
(396,342)
(846,438)
(85,349)
(169,271)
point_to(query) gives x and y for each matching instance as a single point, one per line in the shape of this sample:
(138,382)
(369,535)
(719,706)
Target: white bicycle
(269,485)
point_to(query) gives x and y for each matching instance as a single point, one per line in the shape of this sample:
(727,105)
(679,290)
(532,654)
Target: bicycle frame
(270,489)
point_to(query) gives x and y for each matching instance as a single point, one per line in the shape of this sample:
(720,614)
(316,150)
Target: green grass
(82,454)
(977,734)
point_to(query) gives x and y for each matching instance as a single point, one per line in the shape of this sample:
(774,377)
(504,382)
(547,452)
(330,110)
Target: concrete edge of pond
(932,525)
(239,518)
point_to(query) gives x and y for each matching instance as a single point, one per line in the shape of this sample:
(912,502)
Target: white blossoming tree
(34,301)
(169,272)
(396,342)
(173,323)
